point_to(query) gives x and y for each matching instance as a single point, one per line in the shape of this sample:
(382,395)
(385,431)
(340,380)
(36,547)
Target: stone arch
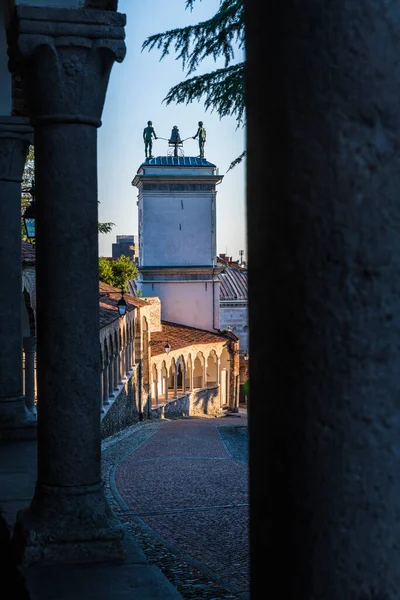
(145,347)
(164,381)
(111,353)
(212,369)
(172,379)
(224,376)
(154,385)
(181,375)
(189,372)
(116,359)
(198,370)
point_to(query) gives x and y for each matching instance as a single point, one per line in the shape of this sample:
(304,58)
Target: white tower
(177,238)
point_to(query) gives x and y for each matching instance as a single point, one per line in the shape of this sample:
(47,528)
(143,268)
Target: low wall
(123,411)
(196,403)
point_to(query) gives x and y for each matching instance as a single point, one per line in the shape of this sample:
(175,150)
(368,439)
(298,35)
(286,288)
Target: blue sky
(135,94)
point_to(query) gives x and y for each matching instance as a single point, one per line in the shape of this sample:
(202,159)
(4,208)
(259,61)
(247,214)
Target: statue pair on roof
(175,139)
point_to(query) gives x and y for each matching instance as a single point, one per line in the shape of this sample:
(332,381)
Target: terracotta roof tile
(108,304)
(182,336)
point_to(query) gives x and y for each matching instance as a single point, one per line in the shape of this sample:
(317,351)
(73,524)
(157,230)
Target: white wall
(5,77)
(186,303)
(236,317)
(176,231)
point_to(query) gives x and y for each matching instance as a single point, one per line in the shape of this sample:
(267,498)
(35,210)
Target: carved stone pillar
(65,57)
(29,344)
(323,224)
(16,421)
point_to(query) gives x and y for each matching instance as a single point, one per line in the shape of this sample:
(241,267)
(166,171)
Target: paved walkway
(180,487)
(183,490)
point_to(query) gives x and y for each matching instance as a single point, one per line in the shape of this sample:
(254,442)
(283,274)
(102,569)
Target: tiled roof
(108,304)
(178,161)
(182,336)
(28,253)
(233,284)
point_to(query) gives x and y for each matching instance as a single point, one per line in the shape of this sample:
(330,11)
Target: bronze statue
(201,132)
(148,133)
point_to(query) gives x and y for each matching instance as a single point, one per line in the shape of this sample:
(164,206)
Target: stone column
(127,360)
(101,389)
(121,366)
(132,354)
(156,389)
(66,56)
(111,377)
(116,371)
(128,357)
(29,344)
(16,421)
(176,382)
(105,385)
(324,227)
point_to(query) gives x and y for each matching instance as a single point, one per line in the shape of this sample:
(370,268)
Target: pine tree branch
(237,160)
(211,38)
(222,89)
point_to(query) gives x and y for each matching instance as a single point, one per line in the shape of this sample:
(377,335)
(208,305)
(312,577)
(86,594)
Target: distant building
(234,308)
(126,245)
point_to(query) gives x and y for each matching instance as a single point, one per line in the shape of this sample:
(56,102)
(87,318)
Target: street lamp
(245,356)
(122,305)
(167,348)
(30,214)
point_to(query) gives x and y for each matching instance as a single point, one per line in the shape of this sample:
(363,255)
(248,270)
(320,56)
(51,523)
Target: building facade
(126,245)
(177,238)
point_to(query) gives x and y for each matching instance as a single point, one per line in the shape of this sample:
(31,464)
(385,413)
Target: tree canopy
(117,272)
(222,89)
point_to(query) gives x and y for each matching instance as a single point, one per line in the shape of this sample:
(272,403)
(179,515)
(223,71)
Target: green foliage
(105,227)
(124,269)
(105,271)
(27,178)
(222,89)
(246,387)
(117,272)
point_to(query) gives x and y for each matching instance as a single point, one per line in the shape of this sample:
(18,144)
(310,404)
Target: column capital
(15,136)
(65,58)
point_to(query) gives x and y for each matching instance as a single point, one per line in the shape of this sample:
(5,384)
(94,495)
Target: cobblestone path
(182,488)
